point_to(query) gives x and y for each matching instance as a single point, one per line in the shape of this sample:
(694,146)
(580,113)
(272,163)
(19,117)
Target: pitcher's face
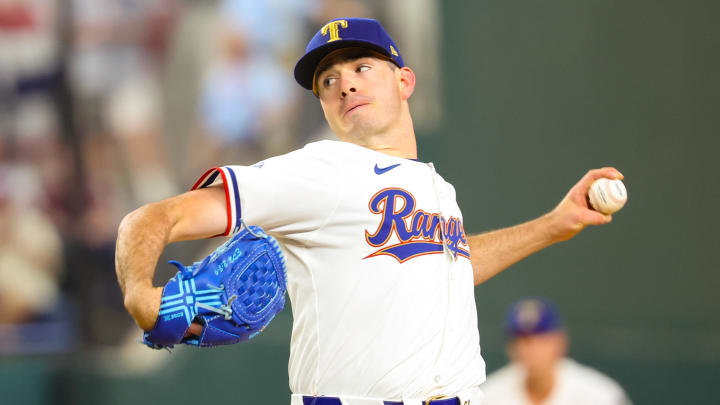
(359,96)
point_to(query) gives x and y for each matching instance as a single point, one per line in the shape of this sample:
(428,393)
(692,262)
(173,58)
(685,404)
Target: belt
(336,401)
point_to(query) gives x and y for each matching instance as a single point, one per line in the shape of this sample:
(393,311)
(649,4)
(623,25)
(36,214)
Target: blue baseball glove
(233,293)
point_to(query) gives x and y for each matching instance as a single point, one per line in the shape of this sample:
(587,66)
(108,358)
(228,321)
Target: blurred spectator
(115,63)
(30,253)
(33,315)
(118,50)
(271,26)
(248,96)
(28,59)
(247,100)
(540,373)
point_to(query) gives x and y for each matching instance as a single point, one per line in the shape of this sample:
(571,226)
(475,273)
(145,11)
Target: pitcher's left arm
(494,251)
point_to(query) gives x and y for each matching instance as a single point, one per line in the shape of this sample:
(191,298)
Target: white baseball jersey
(575,384)
(379,275)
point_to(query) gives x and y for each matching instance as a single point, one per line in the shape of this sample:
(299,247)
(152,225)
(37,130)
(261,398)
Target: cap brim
(305,68)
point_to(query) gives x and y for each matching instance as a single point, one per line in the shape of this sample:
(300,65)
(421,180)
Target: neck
(539,385)
(398,140)
(404,147)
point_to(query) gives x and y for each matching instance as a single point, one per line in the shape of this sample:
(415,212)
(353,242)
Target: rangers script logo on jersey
(420,233)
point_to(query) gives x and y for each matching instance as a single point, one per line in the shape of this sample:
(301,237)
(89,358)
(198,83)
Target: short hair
(348,55)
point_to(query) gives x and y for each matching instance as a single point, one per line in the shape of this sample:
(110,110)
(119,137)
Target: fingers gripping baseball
(574,212)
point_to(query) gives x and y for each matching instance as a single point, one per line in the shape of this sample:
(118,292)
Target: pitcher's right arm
(144,233)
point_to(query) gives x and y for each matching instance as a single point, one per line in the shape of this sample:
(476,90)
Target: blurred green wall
(539,92)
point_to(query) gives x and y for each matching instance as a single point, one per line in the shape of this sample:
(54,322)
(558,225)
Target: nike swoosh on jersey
(379,170)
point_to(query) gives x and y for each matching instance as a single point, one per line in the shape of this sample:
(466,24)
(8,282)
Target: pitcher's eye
(363,68)
(329,81)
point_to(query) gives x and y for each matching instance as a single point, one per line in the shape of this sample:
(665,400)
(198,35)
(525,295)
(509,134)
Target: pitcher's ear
(407,82)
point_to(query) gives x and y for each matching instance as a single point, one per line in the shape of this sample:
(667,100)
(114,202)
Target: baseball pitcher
(368,241)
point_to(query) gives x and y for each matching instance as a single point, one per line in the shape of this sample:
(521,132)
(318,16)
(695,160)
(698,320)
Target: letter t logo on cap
(332,26)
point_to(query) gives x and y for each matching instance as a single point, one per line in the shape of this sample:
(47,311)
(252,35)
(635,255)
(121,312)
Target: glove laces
(224,310)
(259,236)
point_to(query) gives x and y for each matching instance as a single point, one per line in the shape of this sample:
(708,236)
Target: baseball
(607,196)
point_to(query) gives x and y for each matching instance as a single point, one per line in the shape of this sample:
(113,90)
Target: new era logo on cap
(344,33)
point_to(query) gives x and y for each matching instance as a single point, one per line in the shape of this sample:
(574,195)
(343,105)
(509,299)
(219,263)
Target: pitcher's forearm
(144,233)
(494,251)
(142,236)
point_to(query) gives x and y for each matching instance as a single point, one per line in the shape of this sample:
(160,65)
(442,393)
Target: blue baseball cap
(532,316)
(344,33)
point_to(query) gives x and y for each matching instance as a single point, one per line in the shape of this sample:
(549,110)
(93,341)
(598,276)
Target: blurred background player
(539,372)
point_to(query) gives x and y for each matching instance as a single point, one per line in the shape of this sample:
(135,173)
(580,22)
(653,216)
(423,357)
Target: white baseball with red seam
(607,195)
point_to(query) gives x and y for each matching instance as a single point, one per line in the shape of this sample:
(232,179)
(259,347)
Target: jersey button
(437,378)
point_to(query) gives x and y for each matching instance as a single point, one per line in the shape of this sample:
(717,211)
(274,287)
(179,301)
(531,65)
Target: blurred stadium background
(108,104)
